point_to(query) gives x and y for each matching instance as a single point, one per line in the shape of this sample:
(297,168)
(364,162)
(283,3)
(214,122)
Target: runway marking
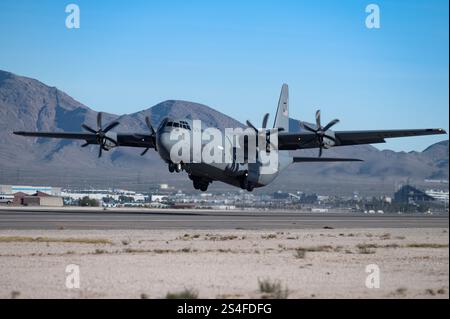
(217,220)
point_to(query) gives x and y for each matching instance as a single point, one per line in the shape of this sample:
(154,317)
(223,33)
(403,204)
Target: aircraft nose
(165,145)
(168,143)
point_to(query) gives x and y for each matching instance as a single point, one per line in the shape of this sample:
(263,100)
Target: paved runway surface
(205,219)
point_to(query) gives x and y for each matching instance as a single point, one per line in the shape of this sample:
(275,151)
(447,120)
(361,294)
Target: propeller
(152,131)
(321,132)
(100,134)
(264,131)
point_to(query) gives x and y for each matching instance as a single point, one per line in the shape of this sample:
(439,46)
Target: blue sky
(234,56)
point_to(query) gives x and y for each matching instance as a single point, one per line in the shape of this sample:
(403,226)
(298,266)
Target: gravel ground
(323,263)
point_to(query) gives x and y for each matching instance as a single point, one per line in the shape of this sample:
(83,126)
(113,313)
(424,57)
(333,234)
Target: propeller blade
(145,151)
(330,137)
(265,119)
(329,125)
(149,124)
(99,120)
(85,144)
(111,140)
(87,128)
(100,151)
(252,126)
(111,126)
(318,119)
(308,128)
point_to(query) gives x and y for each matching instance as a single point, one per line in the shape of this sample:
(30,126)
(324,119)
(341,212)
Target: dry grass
(157,250)
(366,249)
(321,248)
(300,253)
(15,294)
(222,238)
(272,289)
(23,239)
(433,292)
(385,236)
(401,291)
(184,294)
(426,245)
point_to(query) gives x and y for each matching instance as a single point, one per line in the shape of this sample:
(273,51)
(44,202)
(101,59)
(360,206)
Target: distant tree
(86,201)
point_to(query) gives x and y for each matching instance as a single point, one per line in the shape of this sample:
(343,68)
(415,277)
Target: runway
(37,218)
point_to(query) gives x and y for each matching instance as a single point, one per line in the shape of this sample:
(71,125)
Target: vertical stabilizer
(282,117)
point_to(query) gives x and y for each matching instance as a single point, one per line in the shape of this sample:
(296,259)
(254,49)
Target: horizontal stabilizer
(324,159)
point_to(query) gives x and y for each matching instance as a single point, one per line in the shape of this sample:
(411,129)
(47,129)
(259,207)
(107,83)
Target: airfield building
(409,194)
(37,199)
(30,190)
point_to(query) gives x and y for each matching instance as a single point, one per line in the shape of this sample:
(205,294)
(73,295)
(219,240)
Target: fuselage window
(175,124)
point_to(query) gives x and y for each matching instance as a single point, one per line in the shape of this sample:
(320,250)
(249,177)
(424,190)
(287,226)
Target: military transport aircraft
(243,172)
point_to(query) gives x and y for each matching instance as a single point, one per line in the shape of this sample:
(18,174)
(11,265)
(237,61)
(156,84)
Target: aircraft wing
(301,140)
(122,139)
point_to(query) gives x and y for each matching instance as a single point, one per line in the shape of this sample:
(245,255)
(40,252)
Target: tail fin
(282,117)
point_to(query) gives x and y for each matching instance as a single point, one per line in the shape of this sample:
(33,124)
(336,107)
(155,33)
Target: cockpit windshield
(180,124)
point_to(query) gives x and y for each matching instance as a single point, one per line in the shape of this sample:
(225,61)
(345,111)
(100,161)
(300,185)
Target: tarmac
(154,219)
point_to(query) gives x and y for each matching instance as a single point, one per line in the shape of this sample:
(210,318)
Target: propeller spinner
(321,132)
(152,131)
(100,134)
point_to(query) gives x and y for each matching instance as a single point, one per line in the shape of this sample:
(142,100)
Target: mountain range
(27,104)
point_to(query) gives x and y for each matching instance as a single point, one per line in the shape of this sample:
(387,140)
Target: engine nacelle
(327,142)
(109,142)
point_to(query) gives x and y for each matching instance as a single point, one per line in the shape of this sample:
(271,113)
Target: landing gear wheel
(171,167)
(244,183)
(178,167)
(204,187)
(196,184)
(250,187)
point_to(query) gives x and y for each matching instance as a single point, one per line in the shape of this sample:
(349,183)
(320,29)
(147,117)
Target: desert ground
(317,263)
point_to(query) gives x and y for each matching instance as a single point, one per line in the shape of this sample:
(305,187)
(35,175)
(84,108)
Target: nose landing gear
(175,167)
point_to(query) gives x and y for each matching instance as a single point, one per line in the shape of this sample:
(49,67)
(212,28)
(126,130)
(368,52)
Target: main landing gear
(246,184)
(175,167)
(200,183)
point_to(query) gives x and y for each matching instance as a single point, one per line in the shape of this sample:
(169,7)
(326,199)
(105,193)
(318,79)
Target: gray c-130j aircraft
(244,174)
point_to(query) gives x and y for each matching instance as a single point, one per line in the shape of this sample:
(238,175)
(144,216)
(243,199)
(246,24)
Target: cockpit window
(162,124)
(182,124)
